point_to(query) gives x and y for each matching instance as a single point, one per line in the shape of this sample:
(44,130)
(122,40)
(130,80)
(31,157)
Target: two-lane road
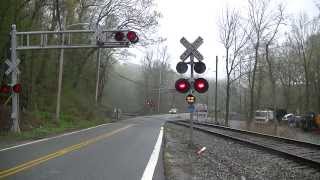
(113,151)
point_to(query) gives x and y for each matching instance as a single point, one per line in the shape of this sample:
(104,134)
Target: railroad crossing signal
(183,85)
(200,85)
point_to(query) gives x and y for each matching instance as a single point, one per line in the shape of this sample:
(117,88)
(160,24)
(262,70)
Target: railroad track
(299,151)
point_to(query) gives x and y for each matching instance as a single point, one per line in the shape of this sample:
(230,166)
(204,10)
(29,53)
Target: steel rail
(276,146)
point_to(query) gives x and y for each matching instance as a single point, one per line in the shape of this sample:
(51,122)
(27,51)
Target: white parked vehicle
(287,117)
(173,111)
(264,116)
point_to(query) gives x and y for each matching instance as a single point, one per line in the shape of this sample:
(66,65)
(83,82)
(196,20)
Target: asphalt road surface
(115,151)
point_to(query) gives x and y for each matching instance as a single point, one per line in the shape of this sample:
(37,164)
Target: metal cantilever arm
(42,37)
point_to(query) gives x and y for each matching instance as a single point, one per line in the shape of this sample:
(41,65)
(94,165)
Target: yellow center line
(58,153)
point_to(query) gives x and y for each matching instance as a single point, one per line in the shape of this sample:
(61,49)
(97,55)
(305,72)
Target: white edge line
(46,139)
(149,170)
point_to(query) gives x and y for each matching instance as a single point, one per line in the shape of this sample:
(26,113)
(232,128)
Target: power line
(136,82)
(113,73)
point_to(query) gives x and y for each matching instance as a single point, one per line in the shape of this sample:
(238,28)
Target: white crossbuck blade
(12,67)
(191,48)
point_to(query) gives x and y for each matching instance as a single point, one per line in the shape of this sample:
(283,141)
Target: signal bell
(201,85)
(182,85)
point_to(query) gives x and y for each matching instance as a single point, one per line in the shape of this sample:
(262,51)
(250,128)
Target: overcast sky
(193,18)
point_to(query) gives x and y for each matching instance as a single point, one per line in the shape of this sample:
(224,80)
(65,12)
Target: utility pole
(240,100)
(14,79)
(60,79)
(216,94)
(159,91)
(213,101)
(98,74)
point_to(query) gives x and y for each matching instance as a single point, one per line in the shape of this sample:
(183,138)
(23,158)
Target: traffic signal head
(182,85)
(17,88)
(119,36)
(199,67)
(182,67)
(130,36)
(5,89)
(190,99)
(201,85)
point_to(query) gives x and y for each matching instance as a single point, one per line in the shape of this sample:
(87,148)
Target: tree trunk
(286,94)
(102,82)
(227,88)
(273,89)
(306,76)
(252,109)
(227,100)
(259,89)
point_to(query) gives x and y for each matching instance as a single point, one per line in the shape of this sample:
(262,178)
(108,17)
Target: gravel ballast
(224,159)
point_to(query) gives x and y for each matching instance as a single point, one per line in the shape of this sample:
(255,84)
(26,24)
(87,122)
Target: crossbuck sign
(13,66)
(191,48)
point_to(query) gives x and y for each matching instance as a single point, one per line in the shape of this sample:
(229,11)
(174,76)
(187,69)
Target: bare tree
(261,20)
(269,38)
(302,29)
(290,73)
(233,37)
(156,71)
(122,14)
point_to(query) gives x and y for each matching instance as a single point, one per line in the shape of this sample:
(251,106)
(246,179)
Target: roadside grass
(44,126)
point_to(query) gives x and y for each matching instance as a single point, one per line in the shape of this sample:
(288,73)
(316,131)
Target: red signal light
(119,36)
(182,85)
(17,88)
(132,37)
(201,85)
(5,89)
(126,36)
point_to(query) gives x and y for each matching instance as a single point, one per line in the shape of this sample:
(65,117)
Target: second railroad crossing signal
(6,89)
